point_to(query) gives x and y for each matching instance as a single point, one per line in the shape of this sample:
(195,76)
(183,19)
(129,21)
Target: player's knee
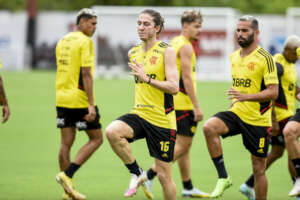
(110,134)
(259,168)
(209,128)
(290,134)
(162,177)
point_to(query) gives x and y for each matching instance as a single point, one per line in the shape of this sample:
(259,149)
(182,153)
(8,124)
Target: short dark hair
(157,18)
(190,16)
(85,13)
(253,20)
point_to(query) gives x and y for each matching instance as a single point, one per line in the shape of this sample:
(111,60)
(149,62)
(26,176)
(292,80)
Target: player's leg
(67,140)
(247,188)
(291,134)
(182,155)
(260,179)
(118,133)
(213,129)
(164,174)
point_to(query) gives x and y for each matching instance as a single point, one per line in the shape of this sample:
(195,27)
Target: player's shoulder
(263,54)
(134,49)
(163,45)
(235,54)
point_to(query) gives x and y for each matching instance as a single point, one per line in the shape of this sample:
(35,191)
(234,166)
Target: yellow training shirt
(74,51)
(151,104)
(181,100)
(250,75)
(287,75)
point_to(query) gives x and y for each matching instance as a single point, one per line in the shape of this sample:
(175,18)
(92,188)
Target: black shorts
(185,123)
(73,117)
(160,141)
(296,117)
(279,139)
(255,138)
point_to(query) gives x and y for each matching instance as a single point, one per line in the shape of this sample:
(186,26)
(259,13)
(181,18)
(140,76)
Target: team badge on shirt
(153,60)
(251,66)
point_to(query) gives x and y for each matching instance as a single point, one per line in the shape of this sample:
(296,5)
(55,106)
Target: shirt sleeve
(87,53)
(270,71)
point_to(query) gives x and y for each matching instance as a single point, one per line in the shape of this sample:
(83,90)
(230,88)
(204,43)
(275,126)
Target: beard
(246,42)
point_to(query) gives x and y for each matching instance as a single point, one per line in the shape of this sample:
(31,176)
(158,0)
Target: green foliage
(245,6)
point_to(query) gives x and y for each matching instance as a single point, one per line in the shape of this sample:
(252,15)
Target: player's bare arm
(88,88)
(270,93)
(297,92)
(171,84)
(4,103)
(275,129)
(185,54)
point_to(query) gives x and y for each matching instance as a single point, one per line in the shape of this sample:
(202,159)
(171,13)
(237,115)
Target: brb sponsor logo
(241,82)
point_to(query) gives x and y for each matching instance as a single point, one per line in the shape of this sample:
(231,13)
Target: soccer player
(3,100)
(283,107)
(153,65)
(75,102)
(291,134)
(187,108)
(254,86)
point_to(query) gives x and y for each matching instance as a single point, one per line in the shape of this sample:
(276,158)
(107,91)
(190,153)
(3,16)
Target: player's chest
(153,63)
(246,68)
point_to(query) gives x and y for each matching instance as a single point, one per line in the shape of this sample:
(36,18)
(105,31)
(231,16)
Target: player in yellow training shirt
(291,134)
(187,108)
(153,65)
(75,103)
(283,107)
(3,100)
(254,86)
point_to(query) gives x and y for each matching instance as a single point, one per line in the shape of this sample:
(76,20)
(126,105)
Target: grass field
(29,145)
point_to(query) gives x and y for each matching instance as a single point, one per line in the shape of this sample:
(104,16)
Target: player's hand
(91,115)
(198,114)
(238,96)
(5,113)
(138,71)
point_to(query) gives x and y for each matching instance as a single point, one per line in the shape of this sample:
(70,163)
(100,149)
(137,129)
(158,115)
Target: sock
(188,185)
(250,181)
(134,168)
(293,179)
(296,163)
(70,171)
(151,174)
(219,164)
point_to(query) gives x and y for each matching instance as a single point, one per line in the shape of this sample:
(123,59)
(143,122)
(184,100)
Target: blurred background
(30,30)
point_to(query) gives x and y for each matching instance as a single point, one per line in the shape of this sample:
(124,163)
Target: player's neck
(186,35)
(247,50)
(148,44)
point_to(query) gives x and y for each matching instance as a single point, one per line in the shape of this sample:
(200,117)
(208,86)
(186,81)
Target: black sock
(151,174)
(296,163)
(188,185)
(250,181)
(70,171)
(133,168)
(293,179)
(219,164)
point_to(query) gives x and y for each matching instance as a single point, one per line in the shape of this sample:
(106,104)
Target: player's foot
(147,188)
(222,185)
(65,196)
(296,189)
(66,183)
(247,191)
(135,182)
(194,193)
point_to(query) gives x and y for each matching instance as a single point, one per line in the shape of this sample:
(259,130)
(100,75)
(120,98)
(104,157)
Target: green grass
(29,144)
